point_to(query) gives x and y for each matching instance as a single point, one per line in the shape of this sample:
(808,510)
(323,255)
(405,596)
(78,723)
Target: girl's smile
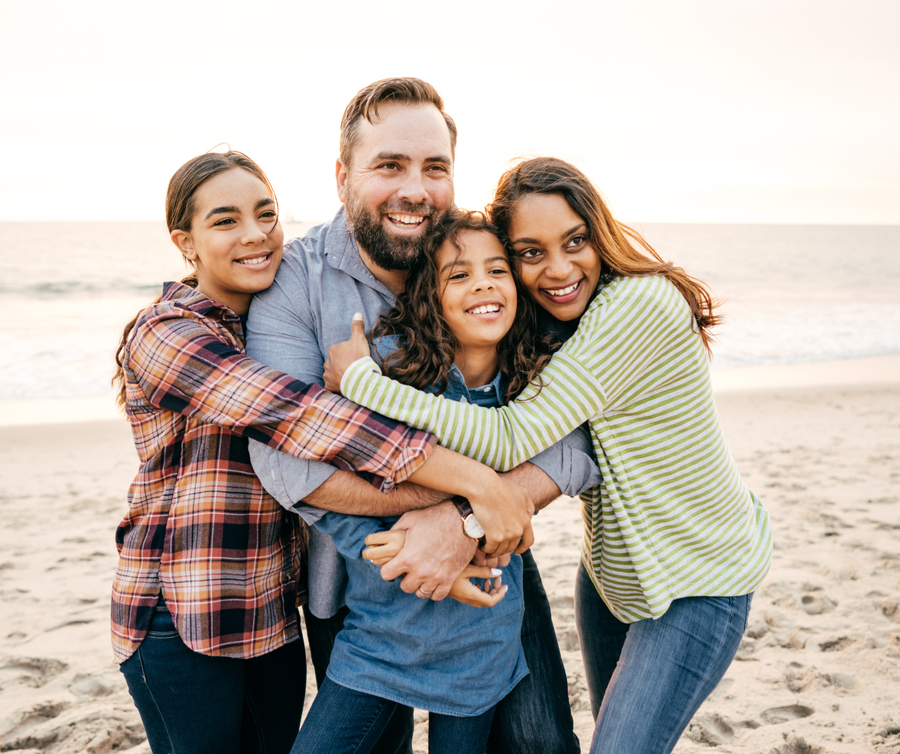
(235,240)
(478,299)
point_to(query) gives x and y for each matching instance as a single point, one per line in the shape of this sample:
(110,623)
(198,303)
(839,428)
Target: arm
(182,364)
(623,334)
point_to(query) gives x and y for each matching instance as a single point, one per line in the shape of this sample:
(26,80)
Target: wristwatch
(470,524)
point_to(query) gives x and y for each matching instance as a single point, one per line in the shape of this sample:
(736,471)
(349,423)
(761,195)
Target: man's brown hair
(365,105)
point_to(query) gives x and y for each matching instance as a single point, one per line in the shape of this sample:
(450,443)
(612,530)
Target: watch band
(462,505)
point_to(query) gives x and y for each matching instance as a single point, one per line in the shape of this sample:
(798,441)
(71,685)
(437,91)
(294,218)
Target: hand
(436,551)
(383,546)
(504,510)
(342,355)
(481,559)
(491,592)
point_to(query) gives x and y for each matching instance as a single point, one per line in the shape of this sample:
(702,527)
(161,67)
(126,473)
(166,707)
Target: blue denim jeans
(195,704)
(345,721)
(647,679)
(534,717)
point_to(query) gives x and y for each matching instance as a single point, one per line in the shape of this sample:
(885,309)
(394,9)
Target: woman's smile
(557,263)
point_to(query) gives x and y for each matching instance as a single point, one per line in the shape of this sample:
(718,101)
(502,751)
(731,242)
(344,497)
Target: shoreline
(873,370)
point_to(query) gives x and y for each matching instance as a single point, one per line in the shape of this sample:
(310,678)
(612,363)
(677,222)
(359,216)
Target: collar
(342,253)
(193,300)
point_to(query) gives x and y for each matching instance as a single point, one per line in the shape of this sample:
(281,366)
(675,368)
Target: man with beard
(395,177)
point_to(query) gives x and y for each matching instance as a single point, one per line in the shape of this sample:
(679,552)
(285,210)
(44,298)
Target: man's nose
(413,188)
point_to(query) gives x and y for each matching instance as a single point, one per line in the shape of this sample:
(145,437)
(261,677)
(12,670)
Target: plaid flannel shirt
(200,529)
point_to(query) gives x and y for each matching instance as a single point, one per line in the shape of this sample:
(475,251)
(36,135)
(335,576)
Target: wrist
(471,527)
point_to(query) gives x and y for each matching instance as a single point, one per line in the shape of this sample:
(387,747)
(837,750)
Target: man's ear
(340,174)
(182,241)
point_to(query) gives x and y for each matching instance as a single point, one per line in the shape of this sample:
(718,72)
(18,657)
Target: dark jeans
(345,721)
(534,717)
(647,679)
(195,704)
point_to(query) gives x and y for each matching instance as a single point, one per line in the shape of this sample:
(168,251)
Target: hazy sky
(700,111)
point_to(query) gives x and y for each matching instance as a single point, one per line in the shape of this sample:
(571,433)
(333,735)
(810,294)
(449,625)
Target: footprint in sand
(836,645)
(29,671)
(796,745)
(24,731)
(776,715)
(816,605)
(887,740)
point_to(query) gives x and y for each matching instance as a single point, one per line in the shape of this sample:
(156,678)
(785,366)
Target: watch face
(472,527)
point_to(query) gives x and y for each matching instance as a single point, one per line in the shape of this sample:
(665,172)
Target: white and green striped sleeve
(500,437)
(615,340)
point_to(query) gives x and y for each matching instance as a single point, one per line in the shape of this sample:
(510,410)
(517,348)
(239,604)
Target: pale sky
(681,111)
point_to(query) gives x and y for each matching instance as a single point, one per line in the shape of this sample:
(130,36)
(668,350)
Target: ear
(340,174)
(182,241)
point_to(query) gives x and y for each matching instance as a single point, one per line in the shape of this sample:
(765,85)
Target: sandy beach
(818,671)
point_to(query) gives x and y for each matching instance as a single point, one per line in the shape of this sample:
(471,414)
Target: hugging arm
(619,339)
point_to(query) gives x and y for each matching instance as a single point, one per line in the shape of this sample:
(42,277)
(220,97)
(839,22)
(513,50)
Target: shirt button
(463,400)
(289,575)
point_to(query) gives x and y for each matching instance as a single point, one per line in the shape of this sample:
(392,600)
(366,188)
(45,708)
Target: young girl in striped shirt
(674,541)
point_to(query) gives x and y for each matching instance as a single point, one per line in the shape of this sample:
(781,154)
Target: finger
(472,595)
(395,568)
(527,539)
(380,552)
(379,538)
(480,572)
(358,325)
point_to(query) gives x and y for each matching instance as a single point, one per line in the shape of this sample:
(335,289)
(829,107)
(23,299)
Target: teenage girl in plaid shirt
(205,596)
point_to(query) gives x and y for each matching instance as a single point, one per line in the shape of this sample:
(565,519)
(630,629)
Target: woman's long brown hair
(179,213)
(623,251)
(427,346)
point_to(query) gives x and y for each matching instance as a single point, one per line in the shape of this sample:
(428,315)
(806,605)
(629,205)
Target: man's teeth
(255,260)
(406,219)
(562,291)
(486,309)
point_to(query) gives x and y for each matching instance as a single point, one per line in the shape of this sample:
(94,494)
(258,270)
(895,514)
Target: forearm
(542,488)
(344,492)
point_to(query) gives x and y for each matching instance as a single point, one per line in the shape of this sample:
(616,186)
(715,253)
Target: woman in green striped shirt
(674,542)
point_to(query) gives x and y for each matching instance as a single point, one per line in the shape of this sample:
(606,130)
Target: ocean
(791,294)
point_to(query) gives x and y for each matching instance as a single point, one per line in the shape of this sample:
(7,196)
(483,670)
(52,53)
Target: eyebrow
(569,232)
(401,157)
(232,209)
(466,263)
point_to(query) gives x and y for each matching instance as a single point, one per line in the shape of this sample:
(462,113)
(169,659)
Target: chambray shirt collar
(489,395)
(342,253)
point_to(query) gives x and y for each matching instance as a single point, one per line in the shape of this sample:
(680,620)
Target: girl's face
(235,238)
(478,293)
(557,263)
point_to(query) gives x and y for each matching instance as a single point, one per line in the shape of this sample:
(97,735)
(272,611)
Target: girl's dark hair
(427,346)
(622,250)
(179,213)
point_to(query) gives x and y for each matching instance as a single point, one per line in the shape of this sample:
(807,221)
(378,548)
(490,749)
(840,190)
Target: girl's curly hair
(427,346)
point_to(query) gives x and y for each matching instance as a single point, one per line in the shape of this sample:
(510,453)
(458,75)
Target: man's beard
(388,252)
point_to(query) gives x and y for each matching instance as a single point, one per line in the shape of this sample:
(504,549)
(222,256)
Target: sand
(818,670)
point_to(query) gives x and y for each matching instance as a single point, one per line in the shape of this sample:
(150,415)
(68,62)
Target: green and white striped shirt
(672,517)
